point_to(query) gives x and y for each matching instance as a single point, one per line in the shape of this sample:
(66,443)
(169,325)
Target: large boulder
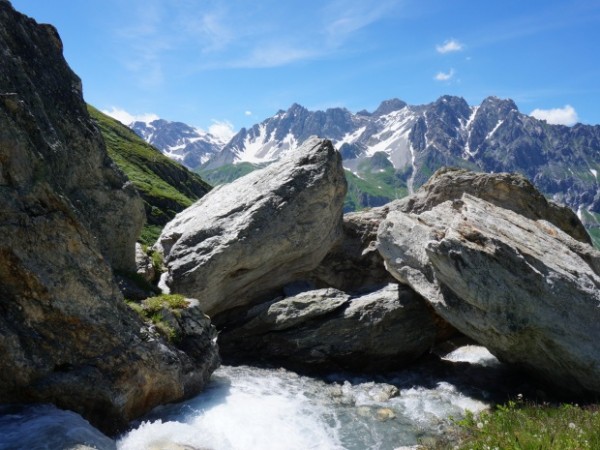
(246,238)
(354,265)
(327,329)
(508,190)
(523,288)
(66,335)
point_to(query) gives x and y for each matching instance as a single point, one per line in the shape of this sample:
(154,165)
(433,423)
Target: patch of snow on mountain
(393,139)
(253,146)
(467,129)
(491,133)
(410,183)
(175,156)
(397,120)
(350,138)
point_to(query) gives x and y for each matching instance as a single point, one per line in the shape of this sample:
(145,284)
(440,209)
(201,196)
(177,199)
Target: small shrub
(157,261)
(151,310)
(171,301)
(167,331)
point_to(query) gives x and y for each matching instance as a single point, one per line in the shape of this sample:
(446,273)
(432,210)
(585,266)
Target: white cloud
(222,129)
(557,116)
(443,76)
(345,17)
(451,45)
(274,55)
(248,113)
(127,118)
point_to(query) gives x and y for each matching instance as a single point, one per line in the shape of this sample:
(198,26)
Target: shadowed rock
(66,212)
(327,329)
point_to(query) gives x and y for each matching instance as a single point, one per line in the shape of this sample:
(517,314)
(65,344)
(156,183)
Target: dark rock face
(354,263)
(328,329)
(66,335)
(43,111)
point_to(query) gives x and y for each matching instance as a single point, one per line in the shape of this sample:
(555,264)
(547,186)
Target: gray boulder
(244,239)
(327,329)
(507,190)
(523,288)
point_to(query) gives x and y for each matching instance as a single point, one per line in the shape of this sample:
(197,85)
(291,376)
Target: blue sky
(222,65)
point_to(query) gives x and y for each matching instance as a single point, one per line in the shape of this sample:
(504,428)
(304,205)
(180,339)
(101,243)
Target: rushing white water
(246,407)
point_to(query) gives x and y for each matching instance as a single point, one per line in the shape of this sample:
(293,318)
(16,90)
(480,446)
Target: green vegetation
(591,220)
(525,426)
(373,188)
(150,234)
(154,305)
(153,309)
(228,173)
(165,186)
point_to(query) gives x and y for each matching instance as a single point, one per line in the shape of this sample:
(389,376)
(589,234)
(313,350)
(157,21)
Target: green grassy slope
(165,186)
(372,189)
(228,173)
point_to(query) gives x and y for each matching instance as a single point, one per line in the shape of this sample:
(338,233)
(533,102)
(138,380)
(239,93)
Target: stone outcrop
(327,329)
(355,265)
(506,190)
(246,238)
(48,137)
(523,288)
(66,335)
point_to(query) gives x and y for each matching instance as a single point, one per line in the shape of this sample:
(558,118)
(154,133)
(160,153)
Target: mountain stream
(249,408)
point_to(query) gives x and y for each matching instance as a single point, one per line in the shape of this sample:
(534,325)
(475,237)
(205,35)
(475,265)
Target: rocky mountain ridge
(393,150)
(190,146)
(491,137)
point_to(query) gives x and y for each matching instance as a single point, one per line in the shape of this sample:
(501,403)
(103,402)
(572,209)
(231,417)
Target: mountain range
(165,186)
(188,145)
(393,150)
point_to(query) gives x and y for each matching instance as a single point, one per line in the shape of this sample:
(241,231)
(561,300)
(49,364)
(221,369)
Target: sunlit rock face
(522,287)
(244,239)
(66,216)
